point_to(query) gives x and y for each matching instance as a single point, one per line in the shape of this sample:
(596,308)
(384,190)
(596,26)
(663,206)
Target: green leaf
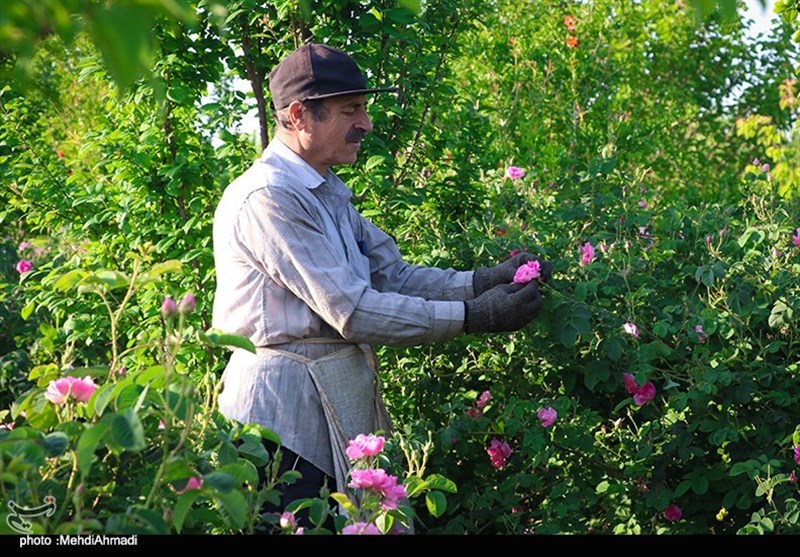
(112,279)
(602,487)
(242,472)
(220,481)
(255,452)
(437,481)
(781,315)
(28,310)
(373,162)
(155,272)
(233,506)
(436,503)
(413,5)
(215,337)
(127,396)
(613,348)
(100,399)
(740,468)
(182,507)
(56,443)
(68,280)
(345,502)
(415,486)
(705,275)
(751,233)
(87,444)
(699,484)
(571,321)
(402,16)
(23,450)
(127,431)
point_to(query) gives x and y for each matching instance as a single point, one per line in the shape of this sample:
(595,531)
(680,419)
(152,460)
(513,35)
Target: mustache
(355,136)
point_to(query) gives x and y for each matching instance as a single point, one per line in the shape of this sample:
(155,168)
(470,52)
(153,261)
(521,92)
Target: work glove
(486,278)
(506,307)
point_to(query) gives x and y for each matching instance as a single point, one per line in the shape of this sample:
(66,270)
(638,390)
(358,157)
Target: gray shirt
(294,259)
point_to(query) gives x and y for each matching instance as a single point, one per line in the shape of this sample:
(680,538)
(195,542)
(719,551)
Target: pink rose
(24,266)
(362,529)
(498,453)
(514,172)
(631,329)
(60,390)
(641,394)
(484,399)
(630,383)
(547,416)
(527,272)
(587,253)
(645,394)
(796,238)
(364,445)
(673,513)
(797,453)
(375,479)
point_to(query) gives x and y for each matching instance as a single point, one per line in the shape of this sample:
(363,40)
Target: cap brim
(353,92)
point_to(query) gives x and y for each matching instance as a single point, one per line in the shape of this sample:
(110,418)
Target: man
(310,281)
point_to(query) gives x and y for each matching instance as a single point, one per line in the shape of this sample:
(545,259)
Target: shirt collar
(304,172)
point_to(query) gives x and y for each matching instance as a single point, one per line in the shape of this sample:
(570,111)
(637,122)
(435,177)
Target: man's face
(337,138)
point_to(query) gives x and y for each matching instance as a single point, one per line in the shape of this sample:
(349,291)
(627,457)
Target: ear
(297,115)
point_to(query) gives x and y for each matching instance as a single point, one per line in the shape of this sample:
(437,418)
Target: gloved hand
(485,278)
(506,307)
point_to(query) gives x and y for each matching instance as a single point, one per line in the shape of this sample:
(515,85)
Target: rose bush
(655,393)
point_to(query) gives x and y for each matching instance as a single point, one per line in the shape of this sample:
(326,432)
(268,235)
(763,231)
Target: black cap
(317,71)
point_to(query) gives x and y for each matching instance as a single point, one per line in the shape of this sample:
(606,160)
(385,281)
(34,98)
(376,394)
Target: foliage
(624,122)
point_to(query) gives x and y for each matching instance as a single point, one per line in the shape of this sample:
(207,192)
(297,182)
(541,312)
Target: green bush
(630,142)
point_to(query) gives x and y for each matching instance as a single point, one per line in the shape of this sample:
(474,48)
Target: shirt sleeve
(391,273)
(279,232)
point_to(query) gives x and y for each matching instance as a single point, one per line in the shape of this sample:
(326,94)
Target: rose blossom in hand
(527,272)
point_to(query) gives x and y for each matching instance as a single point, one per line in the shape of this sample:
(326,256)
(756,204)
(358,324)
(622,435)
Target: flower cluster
(796,238)
(571,23)
(186,306)
(60,391)
(379,491)
(642,394)
(380,483)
